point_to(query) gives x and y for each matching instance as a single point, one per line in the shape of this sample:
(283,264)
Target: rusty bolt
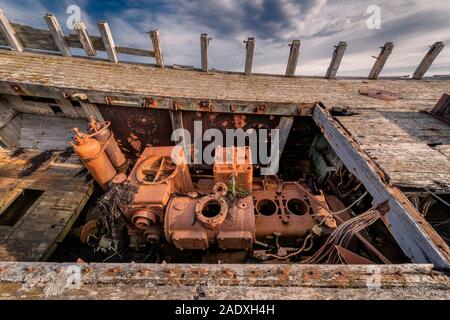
(175,105)
(260,109)
(87,270)
(233,108)
(149,103)
(29,269)
(115,270)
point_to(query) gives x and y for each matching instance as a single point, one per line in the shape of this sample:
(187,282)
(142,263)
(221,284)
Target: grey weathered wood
(154,36)
(37,107)
(46,132)
(336,60)
(57,34)
(91,111)
(67,108)
(85,39)
(6,113)
(284,126)
(221,281)
(176,118)
(435,49)
(250,48)
(10,133)
(293,58)
(135,52)
(384,54)
(415,236)
(41,39)
(204,43)
(9,33)
(108,41)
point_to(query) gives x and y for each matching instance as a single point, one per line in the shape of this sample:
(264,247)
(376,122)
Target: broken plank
(57,34)
(85,39)
(415,236)
(336,60)
(67,108)
(384,54)
(204,43)
(91,111)
(293,58)
(431,55)
(9,32)
(250,48)
(154,36)
(108,41)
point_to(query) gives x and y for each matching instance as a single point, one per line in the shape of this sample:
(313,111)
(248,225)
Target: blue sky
(412,25)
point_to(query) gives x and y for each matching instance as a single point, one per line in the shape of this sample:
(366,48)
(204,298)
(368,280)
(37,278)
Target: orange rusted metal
(158,173)
(234,162)
(197,223)
(94,158)
(101,132)
(287,210)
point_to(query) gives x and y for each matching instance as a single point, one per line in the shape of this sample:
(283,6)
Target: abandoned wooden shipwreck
(359,207)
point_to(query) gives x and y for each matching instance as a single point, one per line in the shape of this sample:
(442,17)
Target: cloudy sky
(412,25)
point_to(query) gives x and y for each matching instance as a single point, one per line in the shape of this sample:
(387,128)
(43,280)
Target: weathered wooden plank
(154,36)
(294,54)
(48,133)
(10,133)
(91,111)
(108,41)
(250,48)
(284,127)
(20,280)
(40,39)
(67,108)
(6,114)
(20,105)
(204,43)
(85,39)
(57,34)
(9,33)
(338,53)
(415,236)
(426,62)
(384,54)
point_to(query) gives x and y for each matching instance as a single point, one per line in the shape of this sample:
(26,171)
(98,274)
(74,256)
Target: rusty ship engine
(230,211)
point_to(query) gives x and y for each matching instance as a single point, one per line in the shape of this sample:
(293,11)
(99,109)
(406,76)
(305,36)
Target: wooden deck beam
(9,32)
(222,282)
(154,35)
(204,43)
(250,48)
(336,60)
(427,61)
(85,39)
(57,34)
(415,236)
(384,54)
(108,41)
(294,53)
